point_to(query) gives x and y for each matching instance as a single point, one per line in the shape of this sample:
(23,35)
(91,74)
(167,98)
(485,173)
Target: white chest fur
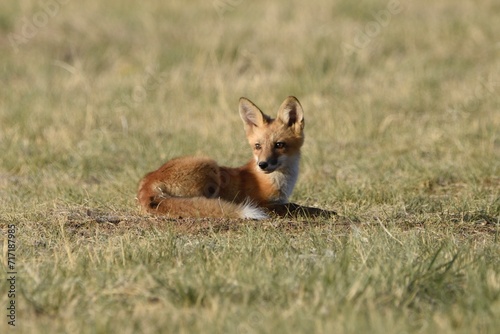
(285,177)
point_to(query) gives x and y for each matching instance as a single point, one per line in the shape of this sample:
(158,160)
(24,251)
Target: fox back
(199,187)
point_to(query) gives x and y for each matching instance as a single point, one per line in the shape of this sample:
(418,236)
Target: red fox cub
(198,187)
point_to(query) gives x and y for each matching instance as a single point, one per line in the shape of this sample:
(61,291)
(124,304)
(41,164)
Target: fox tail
(197,207)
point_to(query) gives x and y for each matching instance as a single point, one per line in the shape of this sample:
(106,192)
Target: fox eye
(258,146)
(279,145)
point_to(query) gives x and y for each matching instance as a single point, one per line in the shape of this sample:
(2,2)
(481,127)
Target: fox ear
(251,114)
(292,114)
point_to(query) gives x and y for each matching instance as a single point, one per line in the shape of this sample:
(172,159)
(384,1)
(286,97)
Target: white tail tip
(250,211)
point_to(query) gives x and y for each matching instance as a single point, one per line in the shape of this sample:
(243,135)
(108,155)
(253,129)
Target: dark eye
(258,146)
(279,144)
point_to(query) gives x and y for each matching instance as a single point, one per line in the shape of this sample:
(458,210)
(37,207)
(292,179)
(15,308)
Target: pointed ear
(291,114)
(251,114)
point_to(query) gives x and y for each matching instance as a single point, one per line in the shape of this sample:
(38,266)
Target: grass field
(401,104)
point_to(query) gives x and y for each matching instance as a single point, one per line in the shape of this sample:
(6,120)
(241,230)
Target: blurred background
(94,95)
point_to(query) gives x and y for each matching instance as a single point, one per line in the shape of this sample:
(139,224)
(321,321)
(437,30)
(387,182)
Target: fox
(197,187)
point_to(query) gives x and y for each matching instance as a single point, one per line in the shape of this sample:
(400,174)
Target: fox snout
(268,165)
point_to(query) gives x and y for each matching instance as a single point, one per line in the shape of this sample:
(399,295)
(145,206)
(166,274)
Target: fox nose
(263,165)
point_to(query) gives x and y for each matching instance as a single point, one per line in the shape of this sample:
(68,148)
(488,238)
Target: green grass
(402,140)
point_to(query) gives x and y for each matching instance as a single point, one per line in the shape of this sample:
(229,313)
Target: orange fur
(198,187)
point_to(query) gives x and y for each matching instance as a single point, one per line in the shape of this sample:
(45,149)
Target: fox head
(274,141)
